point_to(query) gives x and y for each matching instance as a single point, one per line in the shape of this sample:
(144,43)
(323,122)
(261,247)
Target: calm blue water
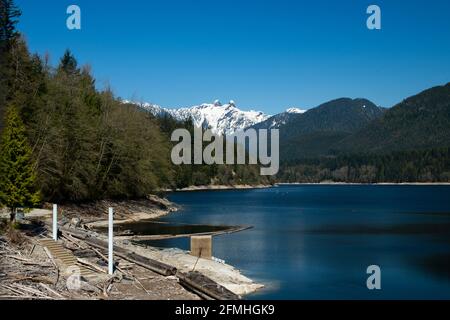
(316,242)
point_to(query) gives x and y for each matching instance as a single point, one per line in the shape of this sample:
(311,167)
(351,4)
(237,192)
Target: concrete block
(201,246)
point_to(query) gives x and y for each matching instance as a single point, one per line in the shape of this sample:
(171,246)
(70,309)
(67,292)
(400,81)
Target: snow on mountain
(295,110)
(280,119)
(226,118)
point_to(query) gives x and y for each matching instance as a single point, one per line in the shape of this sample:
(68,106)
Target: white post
(55,222)
(110,243)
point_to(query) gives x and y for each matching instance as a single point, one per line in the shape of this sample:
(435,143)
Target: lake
(316,241)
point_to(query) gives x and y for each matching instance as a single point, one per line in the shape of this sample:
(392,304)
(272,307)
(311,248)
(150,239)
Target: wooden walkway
(67,261)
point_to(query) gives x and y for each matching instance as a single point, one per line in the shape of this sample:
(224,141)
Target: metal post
(55,222)
(110,243)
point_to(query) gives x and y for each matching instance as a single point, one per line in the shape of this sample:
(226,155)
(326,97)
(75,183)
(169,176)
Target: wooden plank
(206,285)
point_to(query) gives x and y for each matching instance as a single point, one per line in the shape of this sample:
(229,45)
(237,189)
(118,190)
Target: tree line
(429,165)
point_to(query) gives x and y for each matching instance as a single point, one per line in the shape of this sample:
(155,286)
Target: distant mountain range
(318,130)
(339,126)
(221,118)
(356,126)
(346,126)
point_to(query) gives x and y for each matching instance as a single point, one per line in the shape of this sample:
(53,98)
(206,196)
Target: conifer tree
(17,176)
(9,15)
(68,63)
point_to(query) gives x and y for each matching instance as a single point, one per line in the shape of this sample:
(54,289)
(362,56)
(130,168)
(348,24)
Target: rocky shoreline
(331,183)
(222,187)
(94,215)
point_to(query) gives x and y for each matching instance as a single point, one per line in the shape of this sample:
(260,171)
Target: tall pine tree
(9,15)
(68,63)
(17,176)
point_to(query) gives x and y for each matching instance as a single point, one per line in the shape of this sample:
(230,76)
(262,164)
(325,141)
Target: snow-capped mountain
(280,119)
(226,118)
(295,110)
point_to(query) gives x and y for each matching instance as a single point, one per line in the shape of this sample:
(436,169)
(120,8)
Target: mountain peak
(295,110)
(220,118)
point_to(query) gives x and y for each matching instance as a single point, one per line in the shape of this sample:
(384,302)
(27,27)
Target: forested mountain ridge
(317,131)
(419,122)
(409,143)
(346,126)
(339,115)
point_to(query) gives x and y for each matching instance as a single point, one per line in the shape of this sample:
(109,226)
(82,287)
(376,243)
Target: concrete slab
(201,246)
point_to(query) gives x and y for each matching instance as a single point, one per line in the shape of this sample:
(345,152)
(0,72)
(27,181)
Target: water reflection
(437,265)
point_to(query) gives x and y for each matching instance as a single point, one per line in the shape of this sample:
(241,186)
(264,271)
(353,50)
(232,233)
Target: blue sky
(265,55)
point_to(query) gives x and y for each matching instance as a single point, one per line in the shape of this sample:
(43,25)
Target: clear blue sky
(267,55)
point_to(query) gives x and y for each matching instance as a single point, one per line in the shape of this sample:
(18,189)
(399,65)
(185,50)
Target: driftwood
(107,287)
(28,278)
(18,258)
(87,246)
(32,250)
(31,290)
(39,279)
(51,290)
(4,297)
(50,257)
(109,282)
(195,281)
(91,265)
(205,285)
(26,261)
(23,276)
(106,260)
(175,236)
(145,262)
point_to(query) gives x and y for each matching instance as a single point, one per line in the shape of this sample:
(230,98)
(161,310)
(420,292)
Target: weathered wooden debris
(206,286)
(195,281)
(145,262)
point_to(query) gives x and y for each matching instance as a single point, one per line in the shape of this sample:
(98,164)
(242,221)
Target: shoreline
(331,183)
(135,217)
(255,187)
(218,270)
(220,187)
(226,275)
